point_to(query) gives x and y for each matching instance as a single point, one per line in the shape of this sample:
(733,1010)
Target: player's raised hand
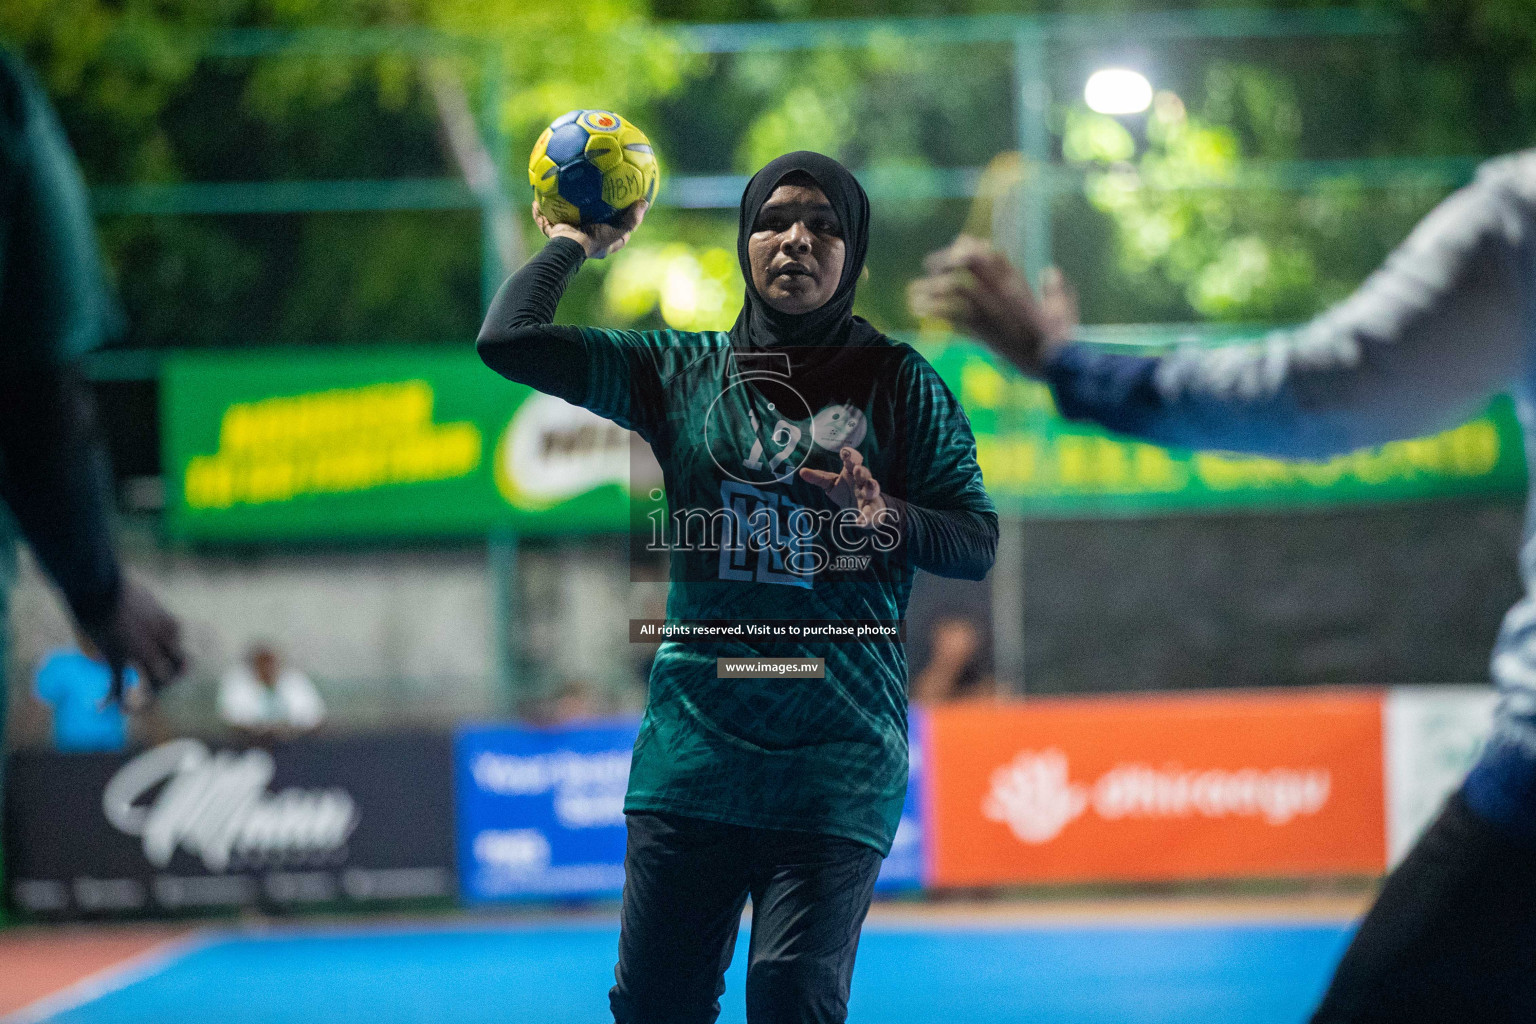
(974,287)
(138,632)
(598,240)
(853,487)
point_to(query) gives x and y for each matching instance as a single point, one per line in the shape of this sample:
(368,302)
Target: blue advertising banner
(541,812)
(903,868)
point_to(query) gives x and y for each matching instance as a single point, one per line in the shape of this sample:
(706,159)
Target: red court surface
(37,962)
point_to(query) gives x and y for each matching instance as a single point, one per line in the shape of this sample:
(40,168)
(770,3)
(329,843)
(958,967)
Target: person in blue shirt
(1445,324)
(75,683)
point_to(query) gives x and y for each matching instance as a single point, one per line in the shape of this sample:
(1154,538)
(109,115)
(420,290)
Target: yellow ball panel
(605,152)
(558,210)
(638,158)
(541,172)
(623,186)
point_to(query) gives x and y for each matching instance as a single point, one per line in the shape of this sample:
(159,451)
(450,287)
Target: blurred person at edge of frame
(54,482)
(954,670)
(264,700)
(1445,324)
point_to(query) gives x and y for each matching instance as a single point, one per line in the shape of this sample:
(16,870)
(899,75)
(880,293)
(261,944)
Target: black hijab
(760,326)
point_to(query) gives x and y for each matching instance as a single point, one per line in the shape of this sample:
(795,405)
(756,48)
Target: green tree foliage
(1174,219)
(1196,215)
(143,104)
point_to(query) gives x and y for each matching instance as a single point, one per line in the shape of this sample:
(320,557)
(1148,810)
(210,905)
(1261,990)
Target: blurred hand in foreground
(138,632)
(974,287)
(598,240)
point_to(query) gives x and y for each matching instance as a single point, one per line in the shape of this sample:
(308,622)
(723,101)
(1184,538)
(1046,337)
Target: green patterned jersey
(749,539)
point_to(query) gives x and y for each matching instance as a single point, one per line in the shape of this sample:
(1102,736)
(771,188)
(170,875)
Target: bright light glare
(1117,91)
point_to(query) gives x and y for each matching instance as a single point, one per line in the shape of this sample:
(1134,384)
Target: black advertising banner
(189,826)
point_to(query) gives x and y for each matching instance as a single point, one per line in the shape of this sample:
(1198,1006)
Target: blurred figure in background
(55,307)
(264,700)
(76,683)
(576,700)
(954,670)
(1448,322)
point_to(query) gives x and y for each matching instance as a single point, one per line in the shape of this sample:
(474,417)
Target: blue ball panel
(565,119)
(567,143)
(581,183)
(599,213)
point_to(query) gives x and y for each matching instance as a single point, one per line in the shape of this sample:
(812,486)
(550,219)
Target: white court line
(1178,912)
(109,979)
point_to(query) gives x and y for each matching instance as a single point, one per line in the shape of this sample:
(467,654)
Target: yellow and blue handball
(591,165)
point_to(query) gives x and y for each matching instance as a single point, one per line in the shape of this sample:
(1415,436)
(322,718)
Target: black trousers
(686,881)
(1451,939)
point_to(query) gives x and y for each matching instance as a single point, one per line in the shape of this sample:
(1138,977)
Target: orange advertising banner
(1156,788)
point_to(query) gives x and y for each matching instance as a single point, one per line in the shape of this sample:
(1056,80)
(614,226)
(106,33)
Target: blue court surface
(552,973)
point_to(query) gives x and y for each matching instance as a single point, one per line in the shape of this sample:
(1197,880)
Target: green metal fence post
(1030,248)
(1033,249)
(506,631)
(501,552)
(491,270)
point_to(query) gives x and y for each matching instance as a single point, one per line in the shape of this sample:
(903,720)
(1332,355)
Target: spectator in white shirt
(262,699)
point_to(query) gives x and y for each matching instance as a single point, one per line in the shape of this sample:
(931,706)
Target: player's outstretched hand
(598,240)
(853,487)
(139,633)
(974,287)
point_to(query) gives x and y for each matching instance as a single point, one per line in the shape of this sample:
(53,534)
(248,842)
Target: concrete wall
(385,634)
(1386,595)
(1389,595)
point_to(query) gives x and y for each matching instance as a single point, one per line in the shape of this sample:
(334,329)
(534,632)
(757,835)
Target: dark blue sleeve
(1114,390)
(1220,399)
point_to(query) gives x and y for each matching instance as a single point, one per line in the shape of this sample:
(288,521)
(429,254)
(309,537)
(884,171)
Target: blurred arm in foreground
(55,306)
(1419,347)
(1425,341)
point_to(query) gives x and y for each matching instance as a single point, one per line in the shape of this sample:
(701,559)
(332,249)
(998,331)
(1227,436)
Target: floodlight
(1117,91)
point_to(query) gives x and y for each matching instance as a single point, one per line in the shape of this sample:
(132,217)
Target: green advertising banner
(327,444)
(1036,463)
(381,442)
